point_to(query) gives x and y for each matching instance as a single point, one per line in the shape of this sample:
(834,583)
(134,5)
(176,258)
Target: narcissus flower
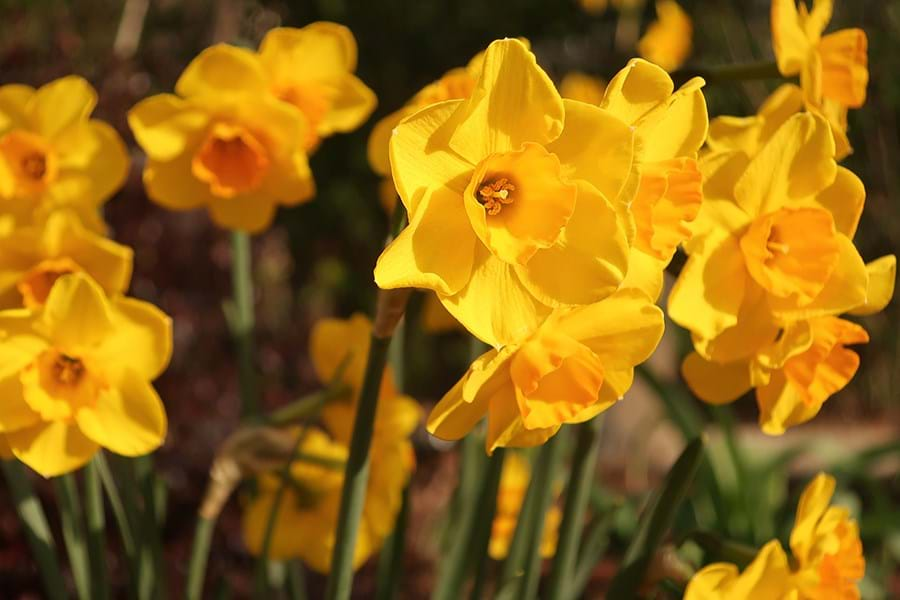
(670,126)
(582,87)
(312,69)
(773,238)
(827,558)
(33,258)
(514,481)
(833,69)
(511,213)
(668,40)
(312,500)
(224,142)
(76,376)
(578,363)
(52,154)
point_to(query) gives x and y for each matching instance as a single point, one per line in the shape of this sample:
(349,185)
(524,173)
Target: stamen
(494,194)
(67,370)
(35,166)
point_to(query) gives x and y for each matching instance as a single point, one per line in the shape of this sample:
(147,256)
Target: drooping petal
(882,277)
(221,70)
(713,382)
(505,427)
(164,124)
(454,417)
(513,102)
(52,448)
(435,251)
(60,104)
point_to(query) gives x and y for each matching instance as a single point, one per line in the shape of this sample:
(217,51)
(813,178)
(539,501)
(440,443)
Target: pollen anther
(493,195)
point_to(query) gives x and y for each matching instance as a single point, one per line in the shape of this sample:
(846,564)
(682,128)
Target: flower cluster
(78,356)
(311,501)
(236,135)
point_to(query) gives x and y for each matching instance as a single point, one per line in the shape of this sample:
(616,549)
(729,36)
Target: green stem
(721,549)
(726,422)
(390,562)
(73,532)
(581,476)
(595,543)
(96,531)
(115,502)
(730,73)
(199,553)
(308,406)
(242,322)
(484,526)
(296,581)
(356,476)
(37,531)
(475,518)
(152,574)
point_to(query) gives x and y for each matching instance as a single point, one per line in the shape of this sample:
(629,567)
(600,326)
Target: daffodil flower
(76,376)
(53,155)
(512,196)
(578,363)
(827,559)
(667,41)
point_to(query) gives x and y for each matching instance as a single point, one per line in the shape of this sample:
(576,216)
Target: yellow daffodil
(833,69)
(773,238)
(76,376)
(511,213)
(827,561)
(312,500)
(669,127)
(582,87)
(33,258)
(578,363)
(224,142)
(312,69)
(513,484)
(668,40)
(52,154)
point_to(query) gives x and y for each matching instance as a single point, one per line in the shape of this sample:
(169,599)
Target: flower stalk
(73,533)
(242,320)
(96,531)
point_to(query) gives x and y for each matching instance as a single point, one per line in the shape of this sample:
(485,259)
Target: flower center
(792,251)
(35,285)
(231,160)
(67,370)
(57,384)
(31,162)
(494,194)
(668,198)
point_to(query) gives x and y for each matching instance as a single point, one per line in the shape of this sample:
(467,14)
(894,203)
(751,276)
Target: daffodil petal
(52,448)
(143,333)
(321,51)
(62,103)
(164,125)
(77,313)
(813,503)
(713,382)
(353,104)
(882,277)
(789,40)
(221,70)
(16,413)
(454,417)
(645,273)
(243,213)
(844,199)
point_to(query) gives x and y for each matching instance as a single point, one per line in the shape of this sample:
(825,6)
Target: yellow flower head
(76,376)
(514,481)
(224,142)
(827,561)
(52,154)
(312,69)
(578,363)
(33,258)
(773,238)
(667,41)
(670,126)
(511,213)
(312,500)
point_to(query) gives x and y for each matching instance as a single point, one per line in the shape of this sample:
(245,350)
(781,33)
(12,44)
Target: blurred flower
(773,238)
(312,69)
(33,258)
(598,7)
(224,142)
(76,376)
(52,154)
(827,559)
(582,87)
(833,69)
(510,213)
(578,363)
(513,484)
(435,318)
(750,134)
(669,130)
(667,41)
(312,500)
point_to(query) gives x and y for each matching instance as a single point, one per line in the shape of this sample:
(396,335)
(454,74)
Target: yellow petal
(16,413)
(14,99)
(435,318)
(587,263)
(714,382)
(143,333)
(676,127)
(708,293)
(513,102)
(351,106)
(344,343)
(19,342)
(61,103)
(595,146)
(221,69)
(755,329)
(420,159)
(582,87)
(797,162)
(781,406)
(243,213)
(882,276)
(623,329)
(378,148)
(495,306)
(667,201)
(164,125)
(636,90)
(844,199)
(321,51)
(791,44)
(128,419)
(77,313)
(845,72)
(750,133)
(667,41)
(768,576)
(812,506)
(505,427)
(645,273)
(435,251)
(454,417)
(52,448)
